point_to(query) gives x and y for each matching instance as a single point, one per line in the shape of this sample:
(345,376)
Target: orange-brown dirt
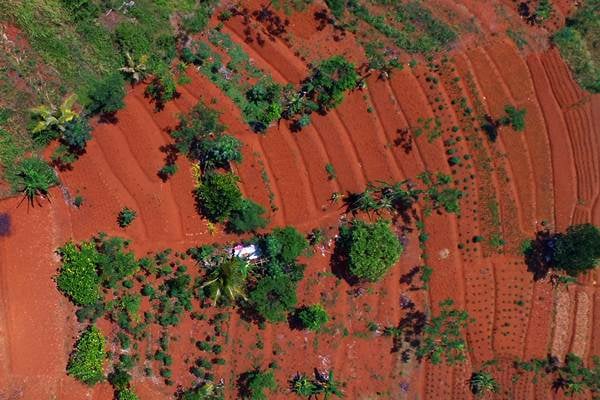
(548,175)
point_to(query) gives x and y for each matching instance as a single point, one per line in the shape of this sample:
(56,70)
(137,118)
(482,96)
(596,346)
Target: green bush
(264,104)
(284,245)
(312,317)
(76,135)
(329,81)
(274,297)
(219,196)
(218,151)
(114,262)
(578,45)
(127,394)
(337,7)
(371,249)
(247,218)
(515,117)
(162,87)
(254,383)
(126,217)
(86,363)
(578,249)
(32,177)
(106,95)
(77,277)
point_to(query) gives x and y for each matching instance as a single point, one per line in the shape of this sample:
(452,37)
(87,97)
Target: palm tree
(136,71)
(482,382)
(227,279)
(303,386)
(49,117)
(327,385)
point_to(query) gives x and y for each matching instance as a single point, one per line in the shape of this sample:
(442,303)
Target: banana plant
(49,117)
(136,71)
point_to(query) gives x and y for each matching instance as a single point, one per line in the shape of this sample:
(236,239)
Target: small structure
(249,252)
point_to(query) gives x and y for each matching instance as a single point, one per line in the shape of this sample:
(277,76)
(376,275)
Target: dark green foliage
(106,95)
(482,382)
(369,249)
(264,104)
(218,151)
(77,277)
(247,218)
(274,297)
(76,135)
(515,117)
(329,81)
(205,391)
(543,11)
(127,394)
(284,245)
(312,317)
(579,45)
(226,280)
(443,336)
(219,196)
(114,262)
(337,7)
(32,177)
(167,171)
(578,249)
(86,363)
(439,192)
(162,87)
(253,384)
(330,171)
(126,217)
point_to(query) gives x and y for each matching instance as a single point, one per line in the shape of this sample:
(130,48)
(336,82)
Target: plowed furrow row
(437,378)
(539,328)
(564,310)
(565,88)
(581,328)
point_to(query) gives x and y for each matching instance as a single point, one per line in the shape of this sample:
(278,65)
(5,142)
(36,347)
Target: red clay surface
(548,174)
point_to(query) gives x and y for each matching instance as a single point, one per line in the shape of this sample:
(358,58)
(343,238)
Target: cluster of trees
(86,363)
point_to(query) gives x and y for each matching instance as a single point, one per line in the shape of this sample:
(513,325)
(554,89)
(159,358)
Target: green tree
(577,250)
(370,249)
(77,277)
(274,297)
(218,151)
(87,360)
(126,217)
(127,394)
(253,384)
(219,196)
(32,177)
(482,382)
(312,317)
(329,81)
(247,218)
(106,95)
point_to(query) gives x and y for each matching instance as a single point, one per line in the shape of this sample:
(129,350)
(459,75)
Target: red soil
(550,172)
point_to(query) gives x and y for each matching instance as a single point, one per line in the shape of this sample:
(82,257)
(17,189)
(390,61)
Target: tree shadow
(108,118)
(171,155)
(339,264)
(539,253)
(5,224)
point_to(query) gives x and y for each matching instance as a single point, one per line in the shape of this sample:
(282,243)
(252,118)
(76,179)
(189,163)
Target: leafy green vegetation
(226,279)
(482,382)
(247,218)
(577,250)
(515,117)
(86,363)
(253,384)
(370,249)
(312,317)
(443,336)
(322,384)
(32,177)
(77,277)
(273,297)
(578,45)
(126,217)
(219,196)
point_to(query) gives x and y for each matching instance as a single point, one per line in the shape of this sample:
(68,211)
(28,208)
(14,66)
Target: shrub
(312,317)
(515,117)
(578,249)
(32,177)
(482,382)
(167,171)
(254,383)
(114,263)
(264,104)
(76,135)
(284,245)
(86,363)
(247,218)
(78,278)
(206,391)
(443,336)
(329,80)
(198,124)
(126,217)
(371,249)
(106,95)
(337,7)
(162,87)
(127,394)
(218,151)
(273,297)
(219,196)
